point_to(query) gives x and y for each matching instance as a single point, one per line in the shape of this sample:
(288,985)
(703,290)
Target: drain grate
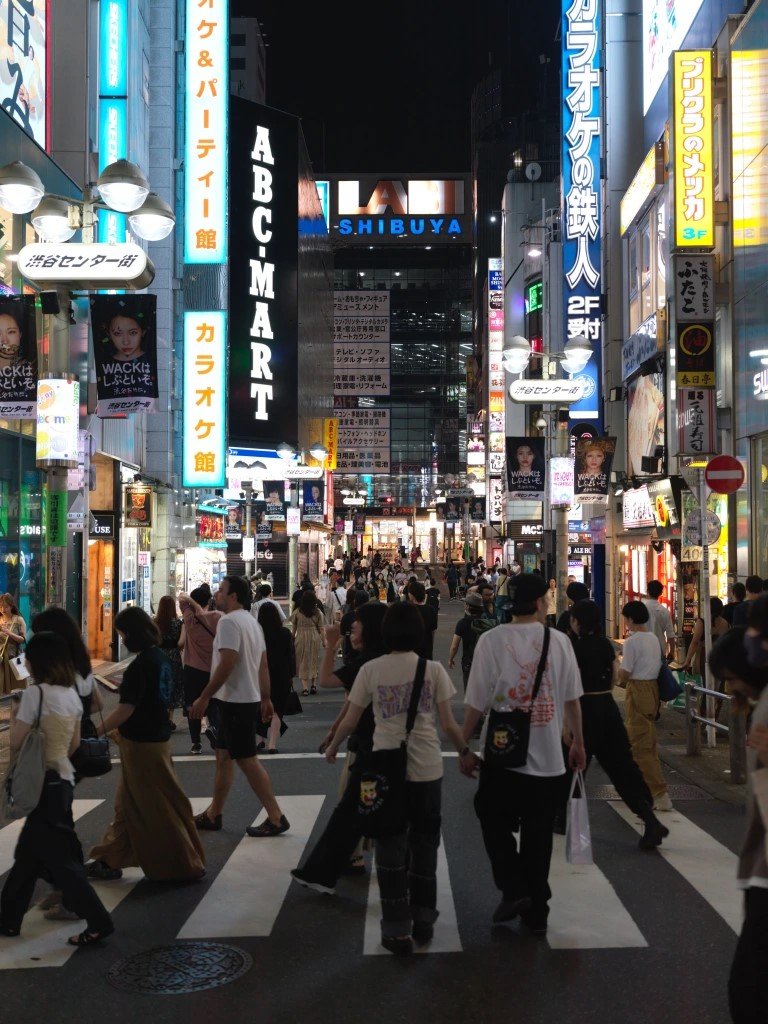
(680,792)
(175,970)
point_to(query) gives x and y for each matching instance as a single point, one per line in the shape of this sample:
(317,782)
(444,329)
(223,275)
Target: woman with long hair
(281,661)
(153,826)
(48,846)
(307,629)
(340,848)
(13,633)
(170,626)
(198,634)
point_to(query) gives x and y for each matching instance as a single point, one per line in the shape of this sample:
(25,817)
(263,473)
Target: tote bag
(578,839)
(23,782)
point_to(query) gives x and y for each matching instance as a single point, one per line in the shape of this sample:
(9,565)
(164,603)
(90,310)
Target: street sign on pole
(724,474)
(692,531)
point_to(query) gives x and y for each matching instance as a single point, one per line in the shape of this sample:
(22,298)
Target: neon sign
(204,456)
(694,154)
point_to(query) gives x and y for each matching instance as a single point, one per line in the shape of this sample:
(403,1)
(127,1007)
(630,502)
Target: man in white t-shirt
(502,678)
(264,596)
(240,684)
(661,620)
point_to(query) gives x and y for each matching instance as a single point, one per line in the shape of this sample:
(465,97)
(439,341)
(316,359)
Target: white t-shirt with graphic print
(502,678)
(387,683)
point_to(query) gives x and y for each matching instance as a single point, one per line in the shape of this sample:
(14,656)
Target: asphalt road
(635,938)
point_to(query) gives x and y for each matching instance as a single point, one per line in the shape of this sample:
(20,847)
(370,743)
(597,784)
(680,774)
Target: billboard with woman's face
(526,468)
(592,472)
(18,358)
(125,353)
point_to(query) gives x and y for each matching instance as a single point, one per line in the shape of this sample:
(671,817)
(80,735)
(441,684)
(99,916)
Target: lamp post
(123,188)
(574,358)
(247,486)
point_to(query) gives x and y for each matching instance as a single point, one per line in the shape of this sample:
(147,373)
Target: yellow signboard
(642,187)
(692,111)
(331,441)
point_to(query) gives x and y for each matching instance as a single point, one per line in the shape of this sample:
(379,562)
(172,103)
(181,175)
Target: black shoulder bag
(506,741)
(91,758)
(377,780)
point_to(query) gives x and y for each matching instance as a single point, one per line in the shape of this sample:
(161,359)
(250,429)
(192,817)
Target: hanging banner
(358,522)
(263,522)
(293,522)
(450,511)
(314,498)
(331,441)
(125,353)
(592,474)
(560,482)
(18,359)
(526,468)
(233,527)
(477,510)
(274,500)
(138,505)
(58,417)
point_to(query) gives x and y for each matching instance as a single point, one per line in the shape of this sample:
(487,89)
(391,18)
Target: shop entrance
(101,581)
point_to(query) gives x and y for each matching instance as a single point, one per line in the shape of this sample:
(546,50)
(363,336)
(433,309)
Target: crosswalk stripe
(703,862)
(247,894)
(9,835)
(585,910)
(44,943)
(446,938)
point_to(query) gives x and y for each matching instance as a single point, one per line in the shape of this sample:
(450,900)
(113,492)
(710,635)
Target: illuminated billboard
(113,104)
(23,65)
(692,113)
(205,161)
(665,26)
(205,362)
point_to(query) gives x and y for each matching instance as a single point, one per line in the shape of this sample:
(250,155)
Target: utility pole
(248,491)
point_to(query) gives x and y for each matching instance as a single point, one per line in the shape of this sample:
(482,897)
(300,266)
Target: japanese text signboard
(364,439)
(692,116)
(582,260)
(694,286)
(696,421)
(204,441)
(696,354)
(205,164)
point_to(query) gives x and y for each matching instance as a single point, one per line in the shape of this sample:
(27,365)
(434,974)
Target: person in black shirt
(416,594)
(466,632)
(153,826)
(433,594)
(355,598)
(339,849)
(575,591)
(604,734)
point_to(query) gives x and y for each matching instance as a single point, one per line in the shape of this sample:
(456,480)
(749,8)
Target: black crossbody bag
(506,741)
(377,781)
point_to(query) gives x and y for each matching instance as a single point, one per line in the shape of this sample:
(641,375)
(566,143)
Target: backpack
(23,783)
(480,625)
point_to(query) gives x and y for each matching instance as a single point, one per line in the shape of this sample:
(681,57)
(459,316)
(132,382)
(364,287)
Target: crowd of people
(229,660)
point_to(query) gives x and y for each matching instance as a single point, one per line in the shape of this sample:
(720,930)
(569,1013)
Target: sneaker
(197,748)
(400,947)
(266,829)
(508,910)
(100,870)
(206,824)
(60,913)
(327,890)
(653,835)
(210,734)
(663,803)
(422,933)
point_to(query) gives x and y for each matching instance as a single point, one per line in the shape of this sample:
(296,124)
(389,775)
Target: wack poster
(312,494)
(526,468)
(274,498)
(125,353)
(477,510)
(18,359)
(263,522)
(592,472)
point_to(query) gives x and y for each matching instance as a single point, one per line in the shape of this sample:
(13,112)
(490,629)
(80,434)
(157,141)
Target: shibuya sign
(548,391)
(398,208)
(95,266)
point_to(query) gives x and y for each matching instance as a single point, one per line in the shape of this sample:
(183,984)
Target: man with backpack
(467,632)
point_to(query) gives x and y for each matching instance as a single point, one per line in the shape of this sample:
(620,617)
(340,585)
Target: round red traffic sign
(724,474)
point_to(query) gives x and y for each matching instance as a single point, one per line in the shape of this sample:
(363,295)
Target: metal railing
(735,730)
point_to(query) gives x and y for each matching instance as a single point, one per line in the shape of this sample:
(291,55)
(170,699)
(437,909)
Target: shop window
(634,285)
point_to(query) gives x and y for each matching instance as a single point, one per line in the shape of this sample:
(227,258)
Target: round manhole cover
(174,970)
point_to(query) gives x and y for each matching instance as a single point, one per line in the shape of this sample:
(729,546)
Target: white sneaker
(663,803)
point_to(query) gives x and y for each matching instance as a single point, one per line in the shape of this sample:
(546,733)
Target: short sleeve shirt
(502,678)
(641,656)
(387,684)
(239,631)
(60,712)
(147,685)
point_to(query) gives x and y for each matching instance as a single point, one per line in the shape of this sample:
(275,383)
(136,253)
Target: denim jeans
(406,863)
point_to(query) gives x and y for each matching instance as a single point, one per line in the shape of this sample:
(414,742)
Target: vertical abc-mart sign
(582,128)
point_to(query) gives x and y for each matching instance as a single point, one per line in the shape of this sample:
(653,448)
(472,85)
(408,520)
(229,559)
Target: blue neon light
(113,48)
(113,145)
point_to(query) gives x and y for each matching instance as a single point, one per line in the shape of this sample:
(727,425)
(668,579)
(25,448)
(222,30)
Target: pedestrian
(485,590)
(466,633)
(661,620)
(169,624)
(340,848)
(552,603)
(152,825)
(355,598)
(506,663)
(13,633)
(263,595)
(502,597)
(337,600)
(406,862)
(48,846)
(732,659)
(417,595)
(308,635)
(738,593)
(281,662)
(240,686)
(753,586)
(696,656)
(452,580)
(575,591)
(199,633)
(639,672)
(604,734)
(433,594)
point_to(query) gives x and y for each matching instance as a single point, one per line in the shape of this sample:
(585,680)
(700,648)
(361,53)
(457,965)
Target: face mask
(757,654)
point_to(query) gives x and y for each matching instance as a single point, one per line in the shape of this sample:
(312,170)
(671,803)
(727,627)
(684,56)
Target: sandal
(305,693)
(313,689)
(267,829)
(60,913)
(87,938)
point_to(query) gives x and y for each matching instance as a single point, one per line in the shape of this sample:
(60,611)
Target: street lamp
(575,355)
(288,453)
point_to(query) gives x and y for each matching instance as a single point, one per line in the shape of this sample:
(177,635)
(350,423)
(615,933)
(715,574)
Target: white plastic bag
(578,840)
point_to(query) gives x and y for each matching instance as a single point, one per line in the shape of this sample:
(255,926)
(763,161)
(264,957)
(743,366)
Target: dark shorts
(236,728)
(195,681)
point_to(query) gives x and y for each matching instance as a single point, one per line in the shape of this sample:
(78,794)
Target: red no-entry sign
(724,474)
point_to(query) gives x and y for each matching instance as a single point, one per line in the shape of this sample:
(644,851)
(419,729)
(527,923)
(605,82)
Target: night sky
(388,86)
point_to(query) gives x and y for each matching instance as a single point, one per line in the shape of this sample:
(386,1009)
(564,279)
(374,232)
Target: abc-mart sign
(86,266)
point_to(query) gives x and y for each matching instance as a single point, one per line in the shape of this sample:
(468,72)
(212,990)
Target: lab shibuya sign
(400,208)
(88,266)
(547,392)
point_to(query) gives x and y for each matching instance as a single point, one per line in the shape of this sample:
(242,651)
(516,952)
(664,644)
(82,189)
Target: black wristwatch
(464,751)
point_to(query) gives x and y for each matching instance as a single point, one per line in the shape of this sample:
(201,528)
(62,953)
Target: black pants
(606,739)
(746,985)
(508,800)
(48,848)
(331,853)
(406,863)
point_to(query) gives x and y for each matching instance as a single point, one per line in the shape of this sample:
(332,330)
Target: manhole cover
(680,792)
(174,970)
